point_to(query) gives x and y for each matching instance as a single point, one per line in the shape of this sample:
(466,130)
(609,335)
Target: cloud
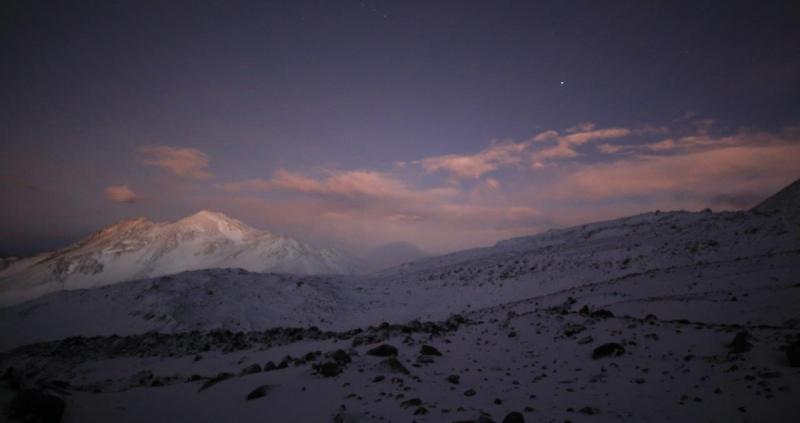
(572,184)
(527,154)
(121,194)
(545,136)
(352,184)
(581,138)
(701,175)
(579,135)
(184,162)
(476,165)
(701,140)
(247,185)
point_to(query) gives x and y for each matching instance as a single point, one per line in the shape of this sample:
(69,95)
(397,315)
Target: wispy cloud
(546,146)
(474,166)
(121,194)
(352,184)
(184,162)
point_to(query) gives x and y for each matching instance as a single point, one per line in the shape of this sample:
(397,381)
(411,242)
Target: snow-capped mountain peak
(138,248)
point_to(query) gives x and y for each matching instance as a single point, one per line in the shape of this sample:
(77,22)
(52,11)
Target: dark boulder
(411,403)
(602,314)
(572,329)
(514,417)
(793,353)
(341,357)
(611,349)
(260,392)
(383,351)
(11,379)
(589,411)
(328,369)
(35,406)
(393,365)
(740,343)
(428,350)
(215,380)
(252,369)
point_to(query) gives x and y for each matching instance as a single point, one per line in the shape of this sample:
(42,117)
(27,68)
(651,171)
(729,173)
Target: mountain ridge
(137,248)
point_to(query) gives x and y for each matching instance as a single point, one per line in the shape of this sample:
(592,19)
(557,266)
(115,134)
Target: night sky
(355,124)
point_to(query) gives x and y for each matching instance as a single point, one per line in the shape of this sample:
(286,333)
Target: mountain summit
(786,200)
(138,249)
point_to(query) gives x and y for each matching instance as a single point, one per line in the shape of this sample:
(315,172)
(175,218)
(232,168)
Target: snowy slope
(786,201)
(137,249)
(673,290)
(639,248)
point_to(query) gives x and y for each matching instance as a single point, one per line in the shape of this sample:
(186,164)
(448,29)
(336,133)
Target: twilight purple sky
(358,123)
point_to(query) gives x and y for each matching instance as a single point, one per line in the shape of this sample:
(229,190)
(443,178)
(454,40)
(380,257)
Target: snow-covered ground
(701,309)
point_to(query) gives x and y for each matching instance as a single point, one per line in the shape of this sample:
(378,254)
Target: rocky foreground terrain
(658,317)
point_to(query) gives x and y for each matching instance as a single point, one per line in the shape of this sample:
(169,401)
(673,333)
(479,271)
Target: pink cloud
(121,194)
(545,136)
(474,166)
(580,138)
(247,185)
(185,162)
(696,174)
(376,185)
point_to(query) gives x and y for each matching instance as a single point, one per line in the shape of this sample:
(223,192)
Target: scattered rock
(341,357)
(740,343)
(328,369)
(31,405)
(411,403)
(611,349)
(384,350)
(345,418)
(514,417)
(428,350)
(585,340)
(393,365)
(270,366)
(602,314)
(572,329)
(253,369)
(261,391)
(215,380)
(793,353)
(11,379)
(589,411)
(469,393)
(454,379)
(420,411)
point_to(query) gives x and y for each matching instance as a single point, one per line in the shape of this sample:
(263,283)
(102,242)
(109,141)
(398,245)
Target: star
(562,82)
